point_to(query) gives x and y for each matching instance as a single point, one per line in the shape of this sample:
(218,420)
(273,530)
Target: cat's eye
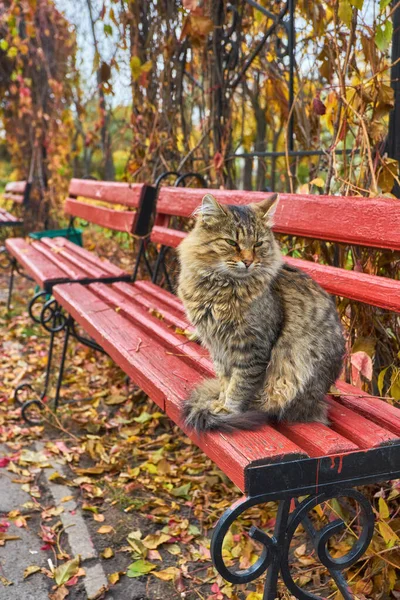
(231,242)
(258,244)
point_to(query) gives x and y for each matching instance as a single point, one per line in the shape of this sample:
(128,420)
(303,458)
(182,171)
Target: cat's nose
(247,262)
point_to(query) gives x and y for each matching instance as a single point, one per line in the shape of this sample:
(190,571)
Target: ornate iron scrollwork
(37,300)
(52,317)
(276,548)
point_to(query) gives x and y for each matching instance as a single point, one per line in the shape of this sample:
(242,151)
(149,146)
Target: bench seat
(7,219)
(55,260)
(144,330)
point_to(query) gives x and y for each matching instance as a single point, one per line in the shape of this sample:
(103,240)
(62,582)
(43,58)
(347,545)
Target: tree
(37,75)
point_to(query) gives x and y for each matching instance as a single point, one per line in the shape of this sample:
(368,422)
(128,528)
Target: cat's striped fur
(273,333)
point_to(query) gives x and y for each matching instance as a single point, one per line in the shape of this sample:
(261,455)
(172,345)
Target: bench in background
(18,193)
(56,260)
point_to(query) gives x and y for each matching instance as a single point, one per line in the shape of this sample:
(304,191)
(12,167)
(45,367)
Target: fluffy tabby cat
(273,333)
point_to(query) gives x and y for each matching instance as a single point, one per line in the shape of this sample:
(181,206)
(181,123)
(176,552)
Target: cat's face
(234,240)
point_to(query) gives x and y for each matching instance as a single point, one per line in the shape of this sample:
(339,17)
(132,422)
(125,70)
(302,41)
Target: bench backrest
(372,222)
(138,198)
(17,191)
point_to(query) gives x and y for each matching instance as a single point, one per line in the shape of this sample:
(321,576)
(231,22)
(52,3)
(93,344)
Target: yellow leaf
(31,570)
(388,534)
(135,65)
(107,553)
(154,540)
(383,509)
(66,498)
(113,578)
(105,529)
(318,181)
(98,518)
(168,574)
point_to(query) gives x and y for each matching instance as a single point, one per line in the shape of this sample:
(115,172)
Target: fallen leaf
(105,529)
(113,578)
(154,540)
(6,582)
(167,574)
(107,553)
(31,570)
(64,572)
(139,567)
(182,491)
(98,518)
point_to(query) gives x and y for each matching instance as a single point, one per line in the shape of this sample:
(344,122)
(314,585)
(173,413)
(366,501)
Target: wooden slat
(166,236)
(37,266)
(373,408)
(118,220)
(363,432)
(17,187)
(70,271)
(372,289)
(155,328)
(363,221)
(126,194)
(8,217)
(14,197)
(161,376)
(317,439)
(91,263)
(151,304)
(161,295)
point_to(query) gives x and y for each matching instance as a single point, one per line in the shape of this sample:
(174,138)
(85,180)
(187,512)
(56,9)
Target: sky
(77,13)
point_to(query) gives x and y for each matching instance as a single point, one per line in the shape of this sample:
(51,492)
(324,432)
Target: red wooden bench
(140,326)
(55,260)
(18,193)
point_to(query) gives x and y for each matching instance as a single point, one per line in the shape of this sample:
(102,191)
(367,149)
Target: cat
(273,333)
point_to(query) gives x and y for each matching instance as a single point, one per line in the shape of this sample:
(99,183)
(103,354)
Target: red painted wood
(118,220)
(259,447)
(37,266)
(164,378)
(155,328)
(373,408)
(64,252)
(372,289)
(161,295)
(166,236)
(127,194)
(364,221)
(363,432)
(151,304)
(17,187)
(7,217)
(69,270)
(14,197)
(317,439)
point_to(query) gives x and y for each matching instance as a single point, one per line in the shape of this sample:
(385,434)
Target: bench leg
(54,321)
(10,285)
(275,556)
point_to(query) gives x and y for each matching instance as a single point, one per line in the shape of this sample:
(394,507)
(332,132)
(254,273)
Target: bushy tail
(199,412)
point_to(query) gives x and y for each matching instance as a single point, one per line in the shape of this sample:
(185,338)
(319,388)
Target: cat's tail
(200,413)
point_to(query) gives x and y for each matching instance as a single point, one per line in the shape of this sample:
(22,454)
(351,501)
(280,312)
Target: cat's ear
(210,210)
(267,208)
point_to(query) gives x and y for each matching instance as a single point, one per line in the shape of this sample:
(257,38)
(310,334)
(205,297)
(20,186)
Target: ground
(108,499)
